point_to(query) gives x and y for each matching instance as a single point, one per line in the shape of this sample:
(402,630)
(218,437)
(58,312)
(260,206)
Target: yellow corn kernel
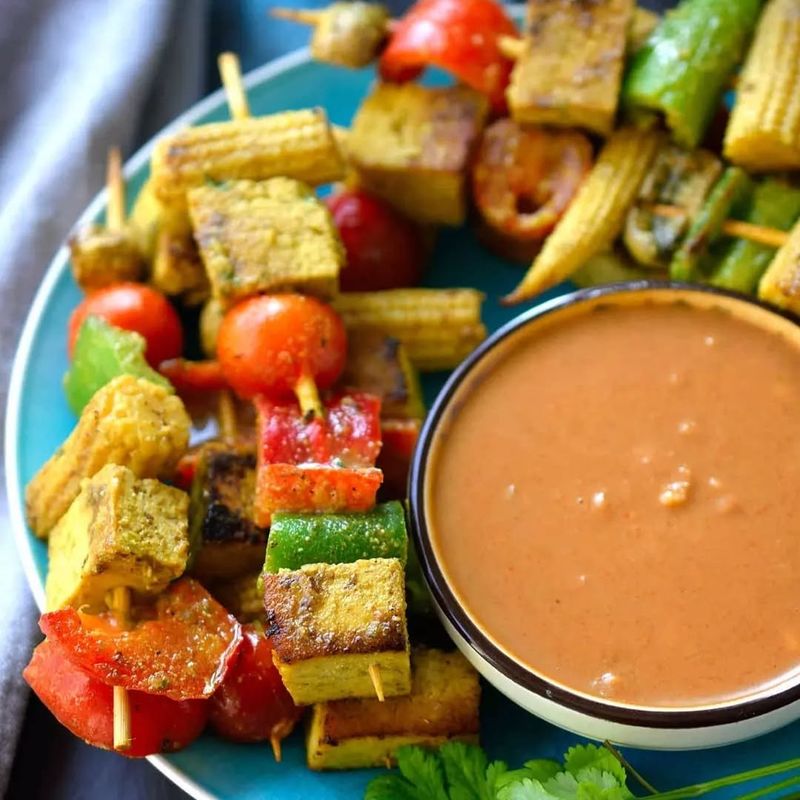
(780,284)
(596,215)
(438,327)
(295,144)
(764,129)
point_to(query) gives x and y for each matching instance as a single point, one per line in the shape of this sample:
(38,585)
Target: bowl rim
(662,718)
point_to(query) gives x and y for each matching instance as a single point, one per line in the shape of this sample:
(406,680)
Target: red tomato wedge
(399,440)
(252,705)
(459,36)
(348,436)
(193,376)
(182,651)
(85,706)
(525,178)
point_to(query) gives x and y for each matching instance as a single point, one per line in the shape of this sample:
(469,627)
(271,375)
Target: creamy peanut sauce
(616,502)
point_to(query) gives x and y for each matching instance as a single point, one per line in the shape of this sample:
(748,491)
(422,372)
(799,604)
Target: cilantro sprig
(458,771)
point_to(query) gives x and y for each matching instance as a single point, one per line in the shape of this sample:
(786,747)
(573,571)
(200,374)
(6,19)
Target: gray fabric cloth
(78,77)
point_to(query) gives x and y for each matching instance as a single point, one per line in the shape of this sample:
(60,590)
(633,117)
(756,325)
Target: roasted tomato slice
(348,436)
(182,648)
(193,376)
(85,706)
(252,705)
(460,36)
(524,178)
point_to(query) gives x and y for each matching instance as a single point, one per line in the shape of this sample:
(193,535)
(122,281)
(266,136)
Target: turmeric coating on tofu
(130,422)
(265,236)
(102,256)
(443,705)
(411,145)
(329,622)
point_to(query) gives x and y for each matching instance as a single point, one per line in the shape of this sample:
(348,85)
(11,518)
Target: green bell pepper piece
(298,539)
(741,263)
(682,69)
(102,352)
(733,189)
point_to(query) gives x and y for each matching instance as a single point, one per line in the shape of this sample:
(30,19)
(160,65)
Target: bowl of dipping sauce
(605,503)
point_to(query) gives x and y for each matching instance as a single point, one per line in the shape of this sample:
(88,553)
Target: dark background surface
(51,763)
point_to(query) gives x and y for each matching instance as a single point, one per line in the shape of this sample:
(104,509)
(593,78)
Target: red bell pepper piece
(459,36)
(288,487)
(182,651)
(85,706)
(193,376)
(399,440)
(348,436)
(252,705)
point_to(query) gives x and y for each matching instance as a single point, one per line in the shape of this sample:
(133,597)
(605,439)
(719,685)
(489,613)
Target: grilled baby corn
(764,129)
(780,284)
(265,236)
(596,215)
(130,422)
(437,327)
(296,144)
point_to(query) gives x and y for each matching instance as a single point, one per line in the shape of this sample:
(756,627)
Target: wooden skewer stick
(115,184)
(308,397)
(377,681)
(230,71)
(226,412)
(301,15)
(119,601)
(511,47)
(771,237)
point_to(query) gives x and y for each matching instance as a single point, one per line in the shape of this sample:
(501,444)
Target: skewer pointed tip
(377,681)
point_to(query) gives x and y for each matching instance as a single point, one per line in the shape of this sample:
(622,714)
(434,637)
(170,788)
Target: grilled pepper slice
(297,539)
(348,436)
(682,69)
(101,353)
(181,647)
(732,189)
(774,204)
(677,177)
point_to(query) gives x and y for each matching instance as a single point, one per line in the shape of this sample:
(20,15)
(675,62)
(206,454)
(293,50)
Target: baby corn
(295,144)
(780,284)
(764,129)
(438,327)
(596,215)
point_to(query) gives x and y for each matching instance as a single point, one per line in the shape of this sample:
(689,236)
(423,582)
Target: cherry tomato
(268,343)
(385,250)
(524,178)
(134,307)
(252,705)
(85,706)
(193,376)
(460,36)
(183,652)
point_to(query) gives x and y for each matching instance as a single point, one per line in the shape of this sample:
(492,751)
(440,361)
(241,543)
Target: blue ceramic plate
(38,420)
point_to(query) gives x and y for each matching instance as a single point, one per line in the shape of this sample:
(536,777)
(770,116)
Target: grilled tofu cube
(412,145)
(101,256)
(265,236)
(443,705)
(131,422)
(330,622)
(570,70)
(178,269)
(242,596)
(119,531)
(379,364)
(229,542)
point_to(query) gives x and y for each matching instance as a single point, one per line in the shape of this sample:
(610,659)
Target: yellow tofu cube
(329,623)
(412,145)
(119,531)
(443,705)
(131,422)
(570,70)
(265,236)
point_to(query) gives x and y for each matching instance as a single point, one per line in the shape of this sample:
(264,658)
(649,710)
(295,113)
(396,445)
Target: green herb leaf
(542,769)
(526,789)
(469,776)
(582,756)
(563,785)
(423,770)
(390,787)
